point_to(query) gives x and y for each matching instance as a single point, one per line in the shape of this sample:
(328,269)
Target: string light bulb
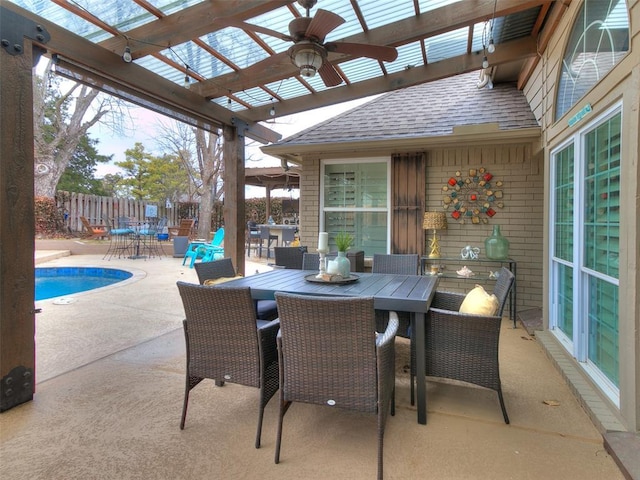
(126,56)
(187,80)
(485,62)
(272,110)
(491,47)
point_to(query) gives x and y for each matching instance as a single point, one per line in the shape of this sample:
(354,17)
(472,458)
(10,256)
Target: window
(598,40)
(355,199)
(586,238)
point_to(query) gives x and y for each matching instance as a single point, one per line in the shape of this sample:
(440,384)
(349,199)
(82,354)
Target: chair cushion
(217,281)
(266,309)
(479,302)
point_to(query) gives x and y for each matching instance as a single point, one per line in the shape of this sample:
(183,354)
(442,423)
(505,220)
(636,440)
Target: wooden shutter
(408,202)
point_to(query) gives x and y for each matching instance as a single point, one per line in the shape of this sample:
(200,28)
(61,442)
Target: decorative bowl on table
(328,278)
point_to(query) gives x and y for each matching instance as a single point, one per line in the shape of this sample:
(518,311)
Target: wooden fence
(95,208)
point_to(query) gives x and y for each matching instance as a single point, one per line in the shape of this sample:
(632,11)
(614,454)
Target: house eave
(463,135)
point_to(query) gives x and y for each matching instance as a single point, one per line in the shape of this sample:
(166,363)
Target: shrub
(49,220)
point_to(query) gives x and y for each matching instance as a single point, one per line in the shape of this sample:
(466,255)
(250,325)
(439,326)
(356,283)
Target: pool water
(58,281)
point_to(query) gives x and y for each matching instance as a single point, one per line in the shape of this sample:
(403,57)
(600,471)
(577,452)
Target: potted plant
(343,241)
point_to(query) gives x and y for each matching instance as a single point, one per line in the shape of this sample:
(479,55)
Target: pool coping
(48,255)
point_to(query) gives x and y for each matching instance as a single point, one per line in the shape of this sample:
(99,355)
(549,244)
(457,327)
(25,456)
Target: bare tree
(61,119)
(201,154)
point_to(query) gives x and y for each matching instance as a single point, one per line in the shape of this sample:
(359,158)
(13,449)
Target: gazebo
(231,66)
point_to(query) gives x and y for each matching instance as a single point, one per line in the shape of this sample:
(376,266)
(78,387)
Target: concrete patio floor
(110,383)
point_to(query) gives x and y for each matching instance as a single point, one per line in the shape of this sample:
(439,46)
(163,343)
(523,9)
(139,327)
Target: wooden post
(17,315)
(268,205)
(234,200)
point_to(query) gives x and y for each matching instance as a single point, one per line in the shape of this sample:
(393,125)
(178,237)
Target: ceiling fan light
(308,58)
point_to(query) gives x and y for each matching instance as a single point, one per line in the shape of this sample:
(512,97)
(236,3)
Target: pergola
(229,65)
(273,178)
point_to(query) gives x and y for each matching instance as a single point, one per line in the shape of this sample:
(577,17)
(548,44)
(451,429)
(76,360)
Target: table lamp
(434,221)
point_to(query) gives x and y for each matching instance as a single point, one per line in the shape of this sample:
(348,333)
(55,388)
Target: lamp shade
(308,57)
(434,221)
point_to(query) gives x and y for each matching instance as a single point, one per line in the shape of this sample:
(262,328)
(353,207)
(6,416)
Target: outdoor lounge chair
(93,231)
(205,251)
(226,343)
(402,264)
(462,346)
(324,345)
(183,229)
(223,268)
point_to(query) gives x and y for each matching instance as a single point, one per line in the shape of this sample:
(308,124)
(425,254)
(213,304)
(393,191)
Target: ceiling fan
(309,52)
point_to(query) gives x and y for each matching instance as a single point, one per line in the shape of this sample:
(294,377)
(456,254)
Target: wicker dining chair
(223,268)
(226,343)
(311,261)
(463,346)
(289,257)
(400,264)
(324,345)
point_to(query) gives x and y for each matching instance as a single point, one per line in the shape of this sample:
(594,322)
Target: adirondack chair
(183,229)
(93,231)
(206,251)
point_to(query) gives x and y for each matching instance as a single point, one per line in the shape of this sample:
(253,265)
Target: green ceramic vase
(344,266)
(496,247)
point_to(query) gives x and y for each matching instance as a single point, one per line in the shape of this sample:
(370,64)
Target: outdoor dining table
(136,238)
(407,293)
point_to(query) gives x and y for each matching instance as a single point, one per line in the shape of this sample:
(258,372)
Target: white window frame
(387,208)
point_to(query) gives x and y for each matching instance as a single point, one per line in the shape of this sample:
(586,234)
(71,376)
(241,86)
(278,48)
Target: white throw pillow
(218,281)
(479,302)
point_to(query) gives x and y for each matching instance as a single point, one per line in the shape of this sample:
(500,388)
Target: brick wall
(520,220)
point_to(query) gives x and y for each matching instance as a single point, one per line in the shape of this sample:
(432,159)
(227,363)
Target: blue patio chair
(206,251)
(119,239)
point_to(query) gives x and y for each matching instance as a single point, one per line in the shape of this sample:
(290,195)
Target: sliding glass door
(585,227)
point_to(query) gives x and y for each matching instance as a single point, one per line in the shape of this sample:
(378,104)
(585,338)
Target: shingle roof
(428,110)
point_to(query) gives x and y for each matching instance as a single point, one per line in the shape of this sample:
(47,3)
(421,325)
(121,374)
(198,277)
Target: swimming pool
(54,282)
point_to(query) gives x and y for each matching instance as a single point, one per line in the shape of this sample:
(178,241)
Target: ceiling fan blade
(231,22)
(377,52)
(322,23)
(263,67)
(329,75)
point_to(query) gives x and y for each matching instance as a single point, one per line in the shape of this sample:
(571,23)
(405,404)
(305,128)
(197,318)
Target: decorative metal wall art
(473,198)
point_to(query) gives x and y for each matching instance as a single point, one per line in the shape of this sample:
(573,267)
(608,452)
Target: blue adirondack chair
(205,251)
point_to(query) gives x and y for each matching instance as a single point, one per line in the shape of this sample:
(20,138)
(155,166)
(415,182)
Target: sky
(147,122)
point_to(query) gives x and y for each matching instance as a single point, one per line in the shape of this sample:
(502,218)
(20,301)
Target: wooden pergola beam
(432,23)
(510,51)
(107,67)
(187,24)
